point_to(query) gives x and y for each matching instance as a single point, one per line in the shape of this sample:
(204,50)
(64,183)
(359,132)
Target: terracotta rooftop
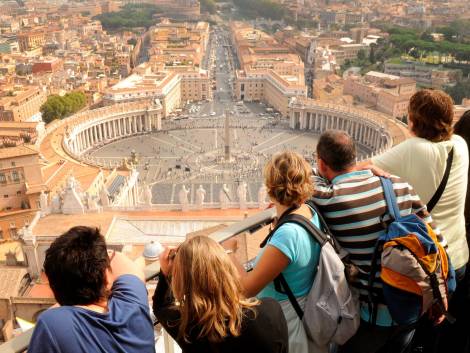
(18,151)
(10,281)
(40,289)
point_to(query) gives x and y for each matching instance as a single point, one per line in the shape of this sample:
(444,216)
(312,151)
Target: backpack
(331,311)
(415,269)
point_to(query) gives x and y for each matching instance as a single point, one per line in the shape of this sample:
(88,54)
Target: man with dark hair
(352,202)
(337,150)
(103,304)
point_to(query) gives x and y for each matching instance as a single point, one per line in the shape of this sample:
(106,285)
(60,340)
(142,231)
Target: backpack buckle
(383,222)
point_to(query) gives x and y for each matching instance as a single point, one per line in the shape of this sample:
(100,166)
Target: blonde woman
(291,250)
(199,301)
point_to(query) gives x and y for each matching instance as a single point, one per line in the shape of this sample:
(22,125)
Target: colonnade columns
(82,140)
(106,130)
(82,137)
(88,136)
(148,124)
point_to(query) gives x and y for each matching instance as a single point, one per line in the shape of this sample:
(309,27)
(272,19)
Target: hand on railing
(231,246)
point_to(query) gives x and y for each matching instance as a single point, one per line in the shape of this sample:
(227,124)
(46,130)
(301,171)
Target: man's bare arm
(122,265)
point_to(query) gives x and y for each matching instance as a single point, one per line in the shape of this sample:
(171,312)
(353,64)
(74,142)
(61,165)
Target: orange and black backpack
(415,269)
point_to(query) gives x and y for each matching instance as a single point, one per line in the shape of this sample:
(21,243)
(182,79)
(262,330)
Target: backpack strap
(442,186)
(394,212)
(280,282)
(281,286)
(325,229)
(278,224)
(390,198)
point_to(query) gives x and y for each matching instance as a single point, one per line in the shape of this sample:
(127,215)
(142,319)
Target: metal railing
(249,225)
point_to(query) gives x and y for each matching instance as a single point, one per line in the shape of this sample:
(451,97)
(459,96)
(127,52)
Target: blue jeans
(378,339)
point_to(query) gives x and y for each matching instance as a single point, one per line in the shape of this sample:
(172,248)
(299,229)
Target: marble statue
(147,195)
(262,194)
(104,197)
(92,205)
(200,196)
(72,202)
(56,204)
(224,197)
(241,192)
(43,203)
(183,198)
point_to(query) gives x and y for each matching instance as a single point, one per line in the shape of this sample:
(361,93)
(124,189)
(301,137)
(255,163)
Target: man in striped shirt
(353,204)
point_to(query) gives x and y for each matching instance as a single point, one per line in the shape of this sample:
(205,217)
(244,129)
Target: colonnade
(362,130)
(99,129)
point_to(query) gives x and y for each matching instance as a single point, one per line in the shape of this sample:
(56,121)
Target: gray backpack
(331,312)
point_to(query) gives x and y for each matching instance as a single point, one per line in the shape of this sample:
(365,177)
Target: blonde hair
(206,285)
(288,178)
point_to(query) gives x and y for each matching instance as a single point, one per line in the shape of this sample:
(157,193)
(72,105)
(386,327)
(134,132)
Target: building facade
(22,105)
(21,182)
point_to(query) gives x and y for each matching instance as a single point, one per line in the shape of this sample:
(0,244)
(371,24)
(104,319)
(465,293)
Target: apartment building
(268,86)
(349,52)
(22,104)
(430,76)
(270,72)
(171,88)
(21,182)
(386,93)
(30,40)
(175,44)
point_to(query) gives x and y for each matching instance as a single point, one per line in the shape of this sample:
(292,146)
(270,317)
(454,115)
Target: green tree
(52,109)
(57,107)
(208,6)
(372,58)
(261,8)
(460,91)
(130,16)
(361,55)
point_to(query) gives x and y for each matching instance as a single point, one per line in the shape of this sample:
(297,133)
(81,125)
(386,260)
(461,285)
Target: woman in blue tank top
(291,250)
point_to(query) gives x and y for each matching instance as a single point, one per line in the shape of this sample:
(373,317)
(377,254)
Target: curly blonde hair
(288,178)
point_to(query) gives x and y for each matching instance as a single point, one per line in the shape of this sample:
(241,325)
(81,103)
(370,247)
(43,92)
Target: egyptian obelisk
(227,136)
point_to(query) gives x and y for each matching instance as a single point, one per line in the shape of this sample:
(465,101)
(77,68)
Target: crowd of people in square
(397,226)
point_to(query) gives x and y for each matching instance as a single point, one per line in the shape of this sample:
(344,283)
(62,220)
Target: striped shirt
(354,206)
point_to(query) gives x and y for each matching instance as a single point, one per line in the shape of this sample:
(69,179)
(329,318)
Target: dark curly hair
(431,113)
(288,178)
